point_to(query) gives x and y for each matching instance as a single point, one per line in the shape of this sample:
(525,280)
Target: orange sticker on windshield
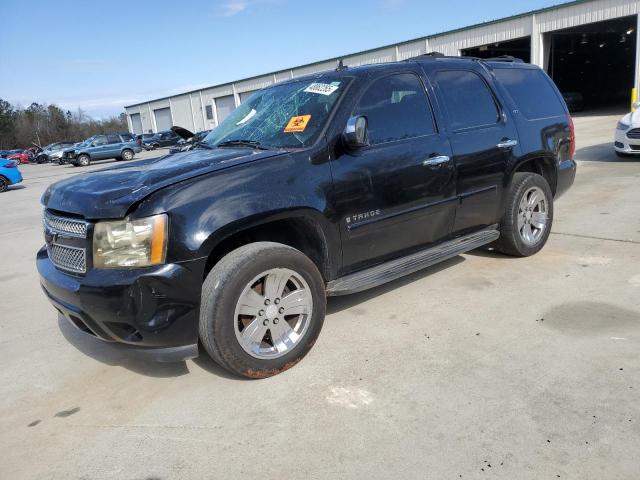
(297,124)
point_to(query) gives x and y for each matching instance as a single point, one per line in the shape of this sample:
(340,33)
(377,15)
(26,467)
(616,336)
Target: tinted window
(396,107)
(467,99)
(100,140)
(127,137)
(113,139)
(531,91)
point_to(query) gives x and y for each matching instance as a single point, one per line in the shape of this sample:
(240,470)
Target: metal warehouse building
(587,46)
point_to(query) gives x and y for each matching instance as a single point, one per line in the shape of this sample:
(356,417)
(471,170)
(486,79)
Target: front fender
(205,210)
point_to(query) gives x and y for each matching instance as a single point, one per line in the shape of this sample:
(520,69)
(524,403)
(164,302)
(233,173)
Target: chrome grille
(634,133)
(67,226)
(68,258)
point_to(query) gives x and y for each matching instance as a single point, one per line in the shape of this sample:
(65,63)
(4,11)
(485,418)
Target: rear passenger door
(483,139)
(114,143)
(397,194)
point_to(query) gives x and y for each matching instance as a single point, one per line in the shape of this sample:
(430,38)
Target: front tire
(4,184)
(262,309)
(83,160)
(528,217)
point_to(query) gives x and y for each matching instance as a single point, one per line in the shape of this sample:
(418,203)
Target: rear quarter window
(532,92)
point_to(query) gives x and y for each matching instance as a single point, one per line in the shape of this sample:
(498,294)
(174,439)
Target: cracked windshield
(290,115)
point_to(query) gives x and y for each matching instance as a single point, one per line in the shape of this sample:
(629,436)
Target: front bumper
(155,309)
(623,144)
(566,176)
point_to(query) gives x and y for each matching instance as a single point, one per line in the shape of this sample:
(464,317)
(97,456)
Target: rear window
(467,98)
(532,92)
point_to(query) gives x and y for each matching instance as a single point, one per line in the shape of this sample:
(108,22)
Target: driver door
(397,194)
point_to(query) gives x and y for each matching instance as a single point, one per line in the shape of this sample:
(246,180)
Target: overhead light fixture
(602,44)
(623,38)
(630,31)
(584,40)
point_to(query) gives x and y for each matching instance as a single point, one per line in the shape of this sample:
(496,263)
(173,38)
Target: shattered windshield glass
(289,115)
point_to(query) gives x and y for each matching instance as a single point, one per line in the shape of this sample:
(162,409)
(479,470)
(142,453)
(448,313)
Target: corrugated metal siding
(382,55)
(316,68)
(412,49)
(589,12)
(451,44)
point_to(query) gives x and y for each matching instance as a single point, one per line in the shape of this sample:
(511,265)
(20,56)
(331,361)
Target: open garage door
(163,119)
(594,64)
(518,48)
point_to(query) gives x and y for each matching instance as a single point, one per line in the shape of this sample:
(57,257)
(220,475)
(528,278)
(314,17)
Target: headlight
(622,126)
(130,243)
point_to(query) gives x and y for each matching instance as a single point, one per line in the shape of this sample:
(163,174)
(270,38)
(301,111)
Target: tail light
(11,165)
(572,139)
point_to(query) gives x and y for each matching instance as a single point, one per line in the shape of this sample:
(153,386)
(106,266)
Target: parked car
(9,174)
(101,147)
(574,101)
(53,152)
(22,156)
(627,135)
(66,152)
(327,184)
(161,139)
(188,140)
(7,153)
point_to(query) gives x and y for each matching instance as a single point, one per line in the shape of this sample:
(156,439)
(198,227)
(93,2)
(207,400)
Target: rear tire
(243,328)
(126,155)
(4,184)
(83,160)
(528,217)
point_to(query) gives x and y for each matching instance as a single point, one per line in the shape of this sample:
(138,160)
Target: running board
(399,267)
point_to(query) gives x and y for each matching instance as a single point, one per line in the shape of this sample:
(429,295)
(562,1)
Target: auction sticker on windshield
(297,124)
(322,88)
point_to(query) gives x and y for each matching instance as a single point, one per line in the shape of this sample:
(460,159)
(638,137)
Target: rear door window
(113,139)
(396,108)
(532,92)
(468,101)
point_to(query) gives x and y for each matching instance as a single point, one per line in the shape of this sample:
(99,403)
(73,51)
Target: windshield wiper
(242,143)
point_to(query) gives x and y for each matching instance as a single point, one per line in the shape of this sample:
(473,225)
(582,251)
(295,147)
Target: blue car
(9,174)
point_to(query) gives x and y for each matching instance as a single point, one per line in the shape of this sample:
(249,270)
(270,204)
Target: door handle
(435,161)
(507,143)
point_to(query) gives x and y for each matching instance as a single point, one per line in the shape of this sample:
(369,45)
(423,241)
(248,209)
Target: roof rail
(440,55)
(504,58)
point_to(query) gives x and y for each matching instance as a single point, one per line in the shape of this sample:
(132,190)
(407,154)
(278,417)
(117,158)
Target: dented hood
(111,192)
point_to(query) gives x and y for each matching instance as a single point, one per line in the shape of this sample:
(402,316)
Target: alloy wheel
(533,216)
(273,313)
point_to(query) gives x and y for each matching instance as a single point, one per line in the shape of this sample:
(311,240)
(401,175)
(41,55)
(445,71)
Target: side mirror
(355,134)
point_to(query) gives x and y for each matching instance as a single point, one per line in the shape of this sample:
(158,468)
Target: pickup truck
(322,185)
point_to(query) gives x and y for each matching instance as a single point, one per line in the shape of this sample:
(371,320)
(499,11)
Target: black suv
(323,185)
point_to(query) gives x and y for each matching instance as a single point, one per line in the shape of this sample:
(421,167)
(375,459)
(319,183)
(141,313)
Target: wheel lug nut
(276,301)
(265,322)
(267,301)
(261,313)
(275,320)
(281,310)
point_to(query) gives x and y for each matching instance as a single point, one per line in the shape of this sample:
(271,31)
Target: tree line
(43,124)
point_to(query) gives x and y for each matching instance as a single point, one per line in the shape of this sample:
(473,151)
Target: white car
(627,136)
